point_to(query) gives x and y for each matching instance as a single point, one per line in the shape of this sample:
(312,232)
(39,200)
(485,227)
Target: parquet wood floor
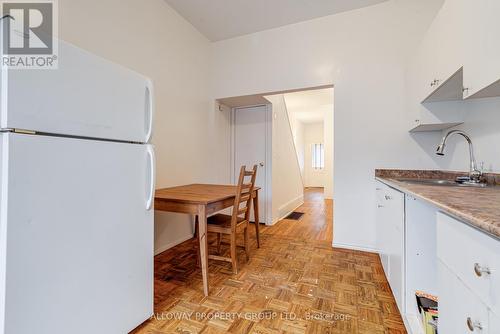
(295,283)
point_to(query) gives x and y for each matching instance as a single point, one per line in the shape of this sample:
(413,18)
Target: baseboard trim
(289,207)
(174,243)
(355,247)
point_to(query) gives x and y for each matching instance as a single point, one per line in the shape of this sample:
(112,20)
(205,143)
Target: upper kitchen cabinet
(482,54)
(435,72)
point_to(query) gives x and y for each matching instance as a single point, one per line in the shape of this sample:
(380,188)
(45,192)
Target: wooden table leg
(196,235)
(256,217)
(202,235)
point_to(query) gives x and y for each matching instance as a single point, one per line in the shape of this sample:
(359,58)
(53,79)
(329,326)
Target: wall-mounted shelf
(492,90)
(434,127)
(449,90)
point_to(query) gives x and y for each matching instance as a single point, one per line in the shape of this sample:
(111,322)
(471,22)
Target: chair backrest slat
(243,197)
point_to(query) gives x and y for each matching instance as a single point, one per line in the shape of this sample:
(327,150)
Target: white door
(250,143)
(86,96)
(76,237)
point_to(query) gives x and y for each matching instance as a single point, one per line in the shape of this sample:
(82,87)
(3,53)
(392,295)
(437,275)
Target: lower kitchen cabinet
(469,280)
(473,256)
(423,249)
(460,311)
(390,238)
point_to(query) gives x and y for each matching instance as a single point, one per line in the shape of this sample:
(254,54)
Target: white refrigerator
(76,200)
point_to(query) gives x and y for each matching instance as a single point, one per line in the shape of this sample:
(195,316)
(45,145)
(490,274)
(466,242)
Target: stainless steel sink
(445,183)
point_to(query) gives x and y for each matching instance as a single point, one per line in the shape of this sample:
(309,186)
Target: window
(318,156)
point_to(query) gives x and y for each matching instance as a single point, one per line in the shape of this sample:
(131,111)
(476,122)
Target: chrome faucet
(474,173)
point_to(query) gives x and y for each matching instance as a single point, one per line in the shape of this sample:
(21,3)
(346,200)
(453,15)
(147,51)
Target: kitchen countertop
(478,207)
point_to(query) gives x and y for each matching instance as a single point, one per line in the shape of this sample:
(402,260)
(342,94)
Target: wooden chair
(232,224)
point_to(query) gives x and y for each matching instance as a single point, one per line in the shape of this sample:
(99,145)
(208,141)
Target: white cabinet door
(433,63)
(459,308)
(79,238)
(86,96)
(395,218)
(439,60)
(382,228)
(420,250)
(390,229)
(482,55)
(494,323)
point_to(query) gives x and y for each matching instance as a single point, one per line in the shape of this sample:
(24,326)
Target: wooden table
(202,200)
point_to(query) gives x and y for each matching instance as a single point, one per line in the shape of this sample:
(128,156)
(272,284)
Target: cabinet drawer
(460,311)
(471,254)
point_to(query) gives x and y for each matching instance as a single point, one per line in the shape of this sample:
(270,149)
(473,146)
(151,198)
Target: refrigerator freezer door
(86,96)
(79,240)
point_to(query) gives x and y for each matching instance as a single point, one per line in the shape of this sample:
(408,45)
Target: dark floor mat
(295,215)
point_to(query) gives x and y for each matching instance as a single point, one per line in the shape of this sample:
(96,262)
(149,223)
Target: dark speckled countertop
(479,207)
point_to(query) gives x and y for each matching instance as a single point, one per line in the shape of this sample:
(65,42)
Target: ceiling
(223,19)
(310,106)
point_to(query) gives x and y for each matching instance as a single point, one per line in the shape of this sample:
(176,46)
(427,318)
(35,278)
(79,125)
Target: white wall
(190,135)
(298,140)
(313,134)
(287,187)
(329,152)
(363,53)
(482,123)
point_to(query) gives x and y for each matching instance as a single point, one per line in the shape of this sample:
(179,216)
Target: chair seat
(219,222)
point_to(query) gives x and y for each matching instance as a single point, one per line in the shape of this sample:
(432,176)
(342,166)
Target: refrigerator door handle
(152,177)
(149,109)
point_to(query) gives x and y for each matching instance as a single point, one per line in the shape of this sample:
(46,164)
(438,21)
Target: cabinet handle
(471,325)
(380,206)
(479,270)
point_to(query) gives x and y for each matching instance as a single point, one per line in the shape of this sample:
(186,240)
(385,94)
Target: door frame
(267,209)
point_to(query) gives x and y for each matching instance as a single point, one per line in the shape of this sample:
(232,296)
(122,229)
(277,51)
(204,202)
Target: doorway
(311,121)
(270,130)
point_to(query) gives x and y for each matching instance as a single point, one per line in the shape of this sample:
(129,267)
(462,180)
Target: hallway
(316,224)
(295,283)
